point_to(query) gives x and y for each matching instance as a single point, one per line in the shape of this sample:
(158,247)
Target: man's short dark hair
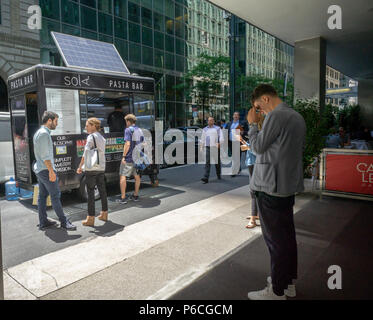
(263,89)
(48,115)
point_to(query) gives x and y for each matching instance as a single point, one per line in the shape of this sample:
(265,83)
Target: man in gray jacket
(277,177)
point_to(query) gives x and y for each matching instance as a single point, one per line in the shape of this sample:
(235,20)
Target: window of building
(89,34)
(169,25)
(70,30)
(147,37)
(105,24)
(105,38)
(180,63)
(169,44)
(120,28)
(120,8)
(170,8)
(133,12)
(169,61)
(105,6)
(90,3)
(134,32)
(122,47)
(70,12)
(50,9)
(159,59)
(159,5)
(147,56)
(159,40)
(89,18)
(179,46)
(146,17)
(178,13)
(134,52)
(159,23)
(45,33)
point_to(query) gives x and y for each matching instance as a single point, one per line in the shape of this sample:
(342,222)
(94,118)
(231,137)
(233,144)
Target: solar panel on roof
(89,54)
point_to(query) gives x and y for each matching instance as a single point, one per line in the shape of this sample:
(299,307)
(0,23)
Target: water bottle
(11,190)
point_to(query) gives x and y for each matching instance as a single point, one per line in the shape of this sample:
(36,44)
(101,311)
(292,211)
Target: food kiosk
(347,173)
(75,95)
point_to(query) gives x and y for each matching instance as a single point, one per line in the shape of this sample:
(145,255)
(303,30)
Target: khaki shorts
(127,170)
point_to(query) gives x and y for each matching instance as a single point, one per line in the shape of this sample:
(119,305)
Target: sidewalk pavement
(152,259)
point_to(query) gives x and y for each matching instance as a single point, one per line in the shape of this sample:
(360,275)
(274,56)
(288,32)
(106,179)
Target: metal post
(232,85)
(1,266)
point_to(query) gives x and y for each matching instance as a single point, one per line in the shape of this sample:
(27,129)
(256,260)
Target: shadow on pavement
(60,235)
(329,232)
(107,230)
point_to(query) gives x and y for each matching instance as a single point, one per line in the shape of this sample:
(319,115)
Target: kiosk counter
(347,173)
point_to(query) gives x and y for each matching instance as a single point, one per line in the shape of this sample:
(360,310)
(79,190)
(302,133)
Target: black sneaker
(134,198)
(205,180)
(122,200)
(47,225)
(68,226)
(219,177)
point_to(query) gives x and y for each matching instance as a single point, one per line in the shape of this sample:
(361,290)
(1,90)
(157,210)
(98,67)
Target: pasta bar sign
(349,173)
(22,82)
(94,81)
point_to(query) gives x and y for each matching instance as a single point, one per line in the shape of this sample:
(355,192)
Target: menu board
(65,103)
(20,141)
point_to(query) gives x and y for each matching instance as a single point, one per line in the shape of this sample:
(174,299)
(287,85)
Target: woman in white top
(94,172)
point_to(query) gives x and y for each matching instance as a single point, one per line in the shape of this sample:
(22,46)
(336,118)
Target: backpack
(146,161)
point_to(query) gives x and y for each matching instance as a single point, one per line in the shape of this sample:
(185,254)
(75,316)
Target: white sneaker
(289,292)
(265,294)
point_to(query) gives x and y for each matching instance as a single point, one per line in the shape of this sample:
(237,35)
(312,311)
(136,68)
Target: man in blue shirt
(212,137)
(46,173)
(133,135)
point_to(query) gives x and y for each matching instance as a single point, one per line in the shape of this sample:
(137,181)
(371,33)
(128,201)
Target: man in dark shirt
(116,120)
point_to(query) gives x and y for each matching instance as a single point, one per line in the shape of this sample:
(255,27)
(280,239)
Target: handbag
(91,159)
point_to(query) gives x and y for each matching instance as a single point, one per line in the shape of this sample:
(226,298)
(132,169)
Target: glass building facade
(162,39)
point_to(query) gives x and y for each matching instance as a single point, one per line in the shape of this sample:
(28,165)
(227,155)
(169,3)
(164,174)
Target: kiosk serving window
(105,105)
(65,103)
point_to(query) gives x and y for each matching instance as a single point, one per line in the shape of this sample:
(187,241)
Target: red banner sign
(349,173)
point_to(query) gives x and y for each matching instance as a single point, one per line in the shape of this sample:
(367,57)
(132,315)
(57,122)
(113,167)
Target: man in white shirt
(212,137)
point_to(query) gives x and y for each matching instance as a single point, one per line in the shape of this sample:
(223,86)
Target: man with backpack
(133,135)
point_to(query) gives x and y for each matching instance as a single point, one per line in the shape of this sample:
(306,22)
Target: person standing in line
(95,176)
(133,135)
(212,137)
(235,124)
(277,177)
(250,162)
(45,171)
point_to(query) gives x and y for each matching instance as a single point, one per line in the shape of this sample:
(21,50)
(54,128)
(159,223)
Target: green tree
(204,82)
(315,141)
(245,85)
